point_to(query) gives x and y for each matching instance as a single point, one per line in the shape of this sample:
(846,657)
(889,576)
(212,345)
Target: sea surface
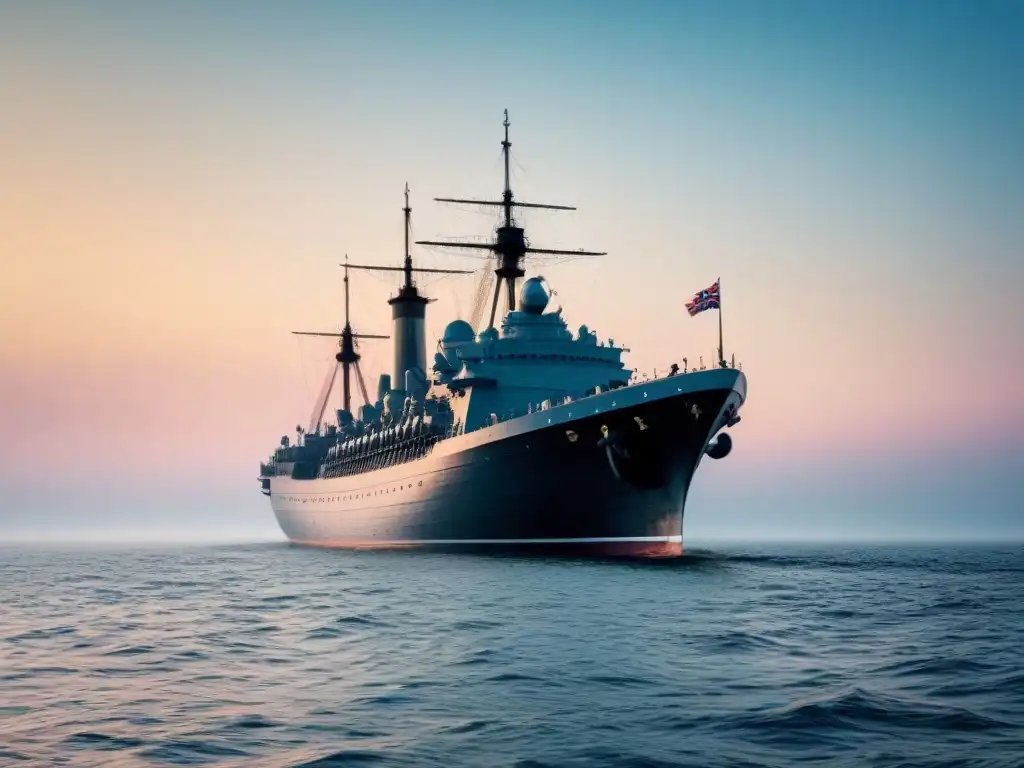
(272,655)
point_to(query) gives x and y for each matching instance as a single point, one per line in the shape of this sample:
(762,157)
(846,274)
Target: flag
(709,298)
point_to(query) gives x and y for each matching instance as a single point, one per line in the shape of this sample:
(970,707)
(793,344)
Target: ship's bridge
(534,358)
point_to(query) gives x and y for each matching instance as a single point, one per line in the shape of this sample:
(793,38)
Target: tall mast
(346,291)
(408,226)
(408,311)
(510,244)
(347,357)
(506,196)
(347,354)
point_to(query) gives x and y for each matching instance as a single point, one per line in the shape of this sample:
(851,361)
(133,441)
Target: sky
(179,182)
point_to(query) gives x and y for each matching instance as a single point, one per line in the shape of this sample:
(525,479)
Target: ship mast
(347,357)
(510,244)
(408,310)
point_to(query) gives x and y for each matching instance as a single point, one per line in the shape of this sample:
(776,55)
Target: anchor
(632,455)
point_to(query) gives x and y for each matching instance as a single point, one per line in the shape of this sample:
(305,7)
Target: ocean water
(271,655)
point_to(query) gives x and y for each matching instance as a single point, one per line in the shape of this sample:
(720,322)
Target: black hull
(564,488)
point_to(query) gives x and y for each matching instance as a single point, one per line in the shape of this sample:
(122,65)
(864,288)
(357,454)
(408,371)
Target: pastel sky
(179,181)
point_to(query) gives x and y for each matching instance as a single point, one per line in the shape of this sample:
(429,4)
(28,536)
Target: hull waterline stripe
(595,540)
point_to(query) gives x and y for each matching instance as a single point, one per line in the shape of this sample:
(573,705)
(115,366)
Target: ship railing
(640,377)
(637,377)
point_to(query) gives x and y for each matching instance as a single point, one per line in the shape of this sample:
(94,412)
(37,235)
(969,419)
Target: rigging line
(458,304)
(424,279)
(412,240)
(302,364)
(513,177)
(518,164)
(487,254)
(325,302)
(470,206)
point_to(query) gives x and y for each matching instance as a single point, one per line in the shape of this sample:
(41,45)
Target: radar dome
(534,296)
(488,334)
(458,331)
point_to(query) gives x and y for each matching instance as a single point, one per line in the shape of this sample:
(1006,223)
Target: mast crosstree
(510,244)
(407,266)
(347,357)
(408,309)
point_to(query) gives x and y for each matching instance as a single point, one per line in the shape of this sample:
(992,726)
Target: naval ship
(521,436)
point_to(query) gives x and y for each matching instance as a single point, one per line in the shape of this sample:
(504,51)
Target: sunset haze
(179,183)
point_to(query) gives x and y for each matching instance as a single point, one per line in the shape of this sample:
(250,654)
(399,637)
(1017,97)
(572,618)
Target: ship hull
(607,475)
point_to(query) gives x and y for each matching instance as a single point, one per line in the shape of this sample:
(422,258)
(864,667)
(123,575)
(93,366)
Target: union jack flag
(709,298)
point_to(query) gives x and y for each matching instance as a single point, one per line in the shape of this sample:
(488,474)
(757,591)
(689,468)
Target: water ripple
(280,656)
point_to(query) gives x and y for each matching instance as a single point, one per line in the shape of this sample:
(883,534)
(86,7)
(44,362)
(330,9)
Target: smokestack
(408,312)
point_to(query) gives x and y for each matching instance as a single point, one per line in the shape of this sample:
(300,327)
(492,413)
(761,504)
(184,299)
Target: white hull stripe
(596,540)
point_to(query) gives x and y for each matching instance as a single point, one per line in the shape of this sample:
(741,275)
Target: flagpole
(721,348)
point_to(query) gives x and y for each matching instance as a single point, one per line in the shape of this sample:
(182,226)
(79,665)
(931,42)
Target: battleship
(521,436)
